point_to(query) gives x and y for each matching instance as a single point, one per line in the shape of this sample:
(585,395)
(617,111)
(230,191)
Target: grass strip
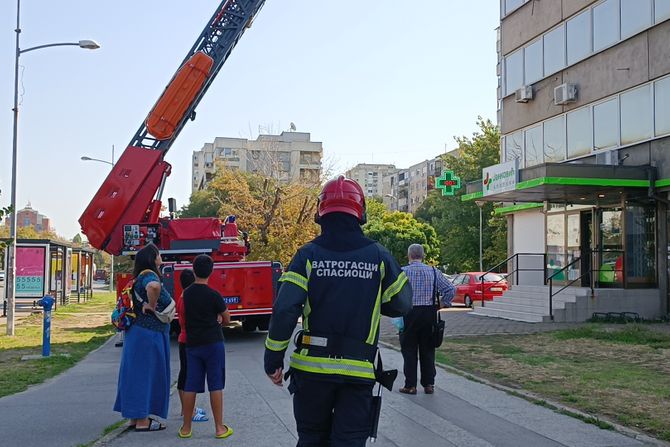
(619,372)
(76,330)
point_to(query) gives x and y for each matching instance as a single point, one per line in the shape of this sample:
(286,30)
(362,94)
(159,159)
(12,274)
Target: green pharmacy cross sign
(448,182)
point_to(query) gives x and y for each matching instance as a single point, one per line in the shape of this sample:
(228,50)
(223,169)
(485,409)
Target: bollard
(47,302)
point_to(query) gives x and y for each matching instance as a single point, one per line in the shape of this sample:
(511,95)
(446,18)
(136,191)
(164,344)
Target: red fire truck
(124,215)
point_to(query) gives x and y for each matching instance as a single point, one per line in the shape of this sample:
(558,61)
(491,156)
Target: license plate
(231,299)
(496,289)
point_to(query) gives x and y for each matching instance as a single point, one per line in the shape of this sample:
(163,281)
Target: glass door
(609,254)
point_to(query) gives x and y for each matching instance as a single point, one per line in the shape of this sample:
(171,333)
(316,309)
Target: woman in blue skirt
(144,375)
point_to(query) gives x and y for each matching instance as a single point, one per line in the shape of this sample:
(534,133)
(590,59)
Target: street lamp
(480,204)
(11,280)
(111,268)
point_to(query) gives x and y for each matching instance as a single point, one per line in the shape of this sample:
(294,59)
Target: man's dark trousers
(333,414)
(417,338)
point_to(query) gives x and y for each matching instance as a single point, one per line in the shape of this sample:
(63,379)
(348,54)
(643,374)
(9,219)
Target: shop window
(662,106)
(554,139)
(579,37)
(533,146)
(554,50)
(635,16)
(636,119)
(661,10)
(605,24)
(640,256)
(580,132)
(610,253)
(514,147)
(606,124)
(514,71)
(533,62)
(555,243)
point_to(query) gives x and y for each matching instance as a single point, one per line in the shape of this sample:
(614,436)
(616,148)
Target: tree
(77,239)
(397,230)
(457,222)
(278,217)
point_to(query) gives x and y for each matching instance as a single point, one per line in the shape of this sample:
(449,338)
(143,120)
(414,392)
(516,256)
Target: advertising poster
(30,266)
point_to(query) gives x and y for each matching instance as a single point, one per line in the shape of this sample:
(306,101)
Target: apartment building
(370,176)
(584,114)
(290,156)
(421,180)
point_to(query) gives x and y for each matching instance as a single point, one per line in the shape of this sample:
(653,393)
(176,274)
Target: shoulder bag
(438,324)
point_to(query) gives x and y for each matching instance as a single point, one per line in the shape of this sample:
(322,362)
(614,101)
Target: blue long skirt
(144,374)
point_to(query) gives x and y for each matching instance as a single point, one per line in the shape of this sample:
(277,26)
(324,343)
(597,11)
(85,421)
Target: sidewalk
(75,407)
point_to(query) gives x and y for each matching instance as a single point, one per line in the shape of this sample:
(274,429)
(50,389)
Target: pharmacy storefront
(599,226)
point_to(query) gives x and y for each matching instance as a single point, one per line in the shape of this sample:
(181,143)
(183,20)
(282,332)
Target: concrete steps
(531,304)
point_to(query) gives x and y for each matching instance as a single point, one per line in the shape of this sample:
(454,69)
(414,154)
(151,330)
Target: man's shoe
(430,389)
(408,390)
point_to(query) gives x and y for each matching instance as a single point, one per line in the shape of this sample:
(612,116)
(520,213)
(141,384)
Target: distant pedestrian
(204,311)
(144,375)
(417,335)
(186,278)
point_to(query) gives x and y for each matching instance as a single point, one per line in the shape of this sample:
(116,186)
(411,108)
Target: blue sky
(376,81)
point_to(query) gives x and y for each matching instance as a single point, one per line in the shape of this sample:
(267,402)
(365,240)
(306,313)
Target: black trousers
(330,414)
(417,339)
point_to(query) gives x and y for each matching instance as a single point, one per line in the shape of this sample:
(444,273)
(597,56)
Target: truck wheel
(249,325)
(264,323)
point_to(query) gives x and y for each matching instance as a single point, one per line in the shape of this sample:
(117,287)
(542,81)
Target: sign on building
(500,178)
(448,182)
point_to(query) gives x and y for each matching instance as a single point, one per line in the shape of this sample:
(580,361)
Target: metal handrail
(516,270)
(588,273)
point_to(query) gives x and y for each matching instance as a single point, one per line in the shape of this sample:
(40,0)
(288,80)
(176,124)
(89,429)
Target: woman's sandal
(184,435)
(225,434)
(153,426)
(200,417)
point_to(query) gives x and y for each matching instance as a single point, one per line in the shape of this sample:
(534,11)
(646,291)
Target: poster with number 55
(30,271)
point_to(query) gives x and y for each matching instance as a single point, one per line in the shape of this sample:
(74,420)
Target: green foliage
(77,239)
(277,217)
(396,231)
(457,222)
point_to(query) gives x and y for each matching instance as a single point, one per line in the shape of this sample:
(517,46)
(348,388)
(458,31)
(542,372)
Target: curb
(552,405)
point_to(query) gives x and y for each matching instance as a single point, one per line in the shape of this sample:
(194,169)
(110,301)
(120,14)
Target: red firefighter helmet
(342,195)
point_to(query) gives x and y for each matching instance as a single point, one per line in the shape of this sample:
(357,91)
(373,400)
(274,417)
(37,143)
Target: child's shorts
(207,360)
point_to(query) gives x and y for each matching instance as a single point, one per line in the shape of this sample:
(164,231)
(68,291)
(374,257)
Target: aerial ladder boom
(132,191)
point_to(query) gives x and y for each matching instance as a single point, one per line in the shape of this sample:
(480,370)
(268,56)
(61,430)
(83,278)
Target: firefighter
(340,282)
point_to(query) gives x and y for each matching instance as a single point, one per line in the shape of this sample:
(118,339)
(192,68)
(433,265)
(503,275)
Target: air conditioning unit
(565,94)
(524,94)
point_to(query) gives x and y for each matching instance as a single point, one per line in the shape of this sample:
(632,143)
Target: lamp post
(480,204)
(111,267)
(11,280)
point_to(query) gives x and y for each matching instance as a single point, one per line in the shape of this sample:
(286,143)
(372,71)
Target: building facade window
(533,70)
(635,16)
(606,124)
(596,28)
(554,50)
(662,106)
(534,146)
(636,119)
(661,10)
(514,71)
(629,117)
(554,140)
(579,37)
(605,24)
(580,132)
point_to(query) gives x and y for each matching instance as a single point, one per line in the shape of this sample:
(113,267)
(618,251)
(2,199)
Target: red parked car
(469,287)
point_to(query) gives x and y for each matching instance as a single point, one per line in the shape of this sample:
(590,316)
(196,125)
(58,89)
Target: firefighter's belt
(335,346)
